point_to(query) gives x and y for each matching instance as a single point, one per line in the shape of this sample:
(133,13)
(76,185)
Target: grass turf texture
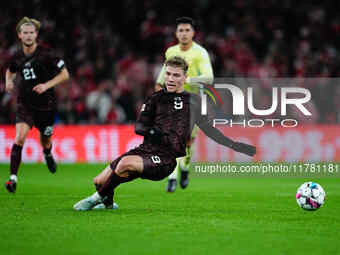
(249,215)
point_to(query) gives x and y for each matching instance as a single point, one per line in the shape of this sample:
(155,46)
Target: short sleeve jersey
(39,67)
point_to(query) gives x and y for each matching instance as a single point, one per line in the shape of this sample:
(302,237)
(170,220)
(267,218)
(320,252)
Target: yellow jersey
(198,61)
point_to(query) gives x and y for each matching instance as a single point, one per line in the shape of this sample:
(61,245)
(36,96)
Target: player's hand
(244,148)
(40,88)
(9,86)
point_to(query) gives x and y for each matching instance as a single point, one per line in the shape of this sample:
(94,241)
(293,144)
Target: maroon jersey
(175,114)
(39,67)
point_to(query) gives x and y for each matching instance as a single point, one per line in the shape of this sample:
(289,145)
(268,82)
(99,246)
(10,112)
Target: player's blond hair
(177,61)
(28,21)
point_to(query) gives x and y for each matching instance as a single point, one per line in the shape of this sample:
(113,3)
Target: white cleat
(86,204)
(101,206)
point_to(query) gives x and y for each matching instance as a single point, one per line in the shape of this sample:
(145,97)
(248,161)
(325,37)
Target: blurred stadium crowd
(114,53)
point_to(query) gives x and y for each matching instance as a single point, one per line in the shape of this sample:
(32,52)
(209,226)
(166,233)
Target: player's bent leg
(89,202)
(22,130)
(46,143)
(128,168)
(98,181)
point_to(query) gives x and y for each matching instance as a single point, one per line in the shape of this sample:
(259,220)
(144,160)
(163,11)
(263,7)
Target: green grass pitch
(214,215)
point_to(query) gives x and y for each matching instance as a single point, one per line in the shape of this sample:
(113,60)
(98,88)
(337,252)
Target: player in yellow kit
(200,70)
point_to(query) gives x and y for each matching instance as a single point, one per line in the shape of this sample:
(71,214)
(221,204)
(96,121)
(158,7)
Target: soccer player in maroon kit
(166,122)
(39,70)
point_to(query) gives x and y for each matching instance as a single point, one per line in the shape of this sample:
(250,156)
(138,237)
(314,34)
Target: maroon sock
(47,151)
(107,189)
(15,158)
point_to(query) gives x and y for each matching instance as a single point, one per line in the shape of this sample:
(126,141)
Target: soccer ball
(310,196)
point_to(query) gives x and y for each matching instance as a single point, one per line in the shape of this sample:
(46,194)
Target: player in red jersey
(166,122)
(39,70)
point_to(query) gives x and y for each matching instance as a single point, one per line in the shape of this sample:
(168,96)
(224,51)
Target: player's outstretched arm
(218,137)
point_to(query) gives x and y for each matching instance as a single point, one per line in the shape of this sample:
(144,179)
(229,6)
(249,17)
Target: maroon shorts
(42,120)
(157,165)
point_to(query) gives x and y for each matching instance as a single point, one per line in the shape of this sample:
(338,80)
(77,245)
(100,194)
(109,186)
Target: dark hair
(186,20)
(177,61)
